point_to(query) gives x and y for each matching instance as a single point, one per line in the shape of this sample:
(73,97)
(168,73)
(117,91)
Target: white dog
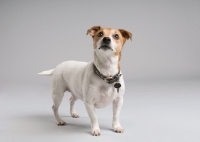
(97,83)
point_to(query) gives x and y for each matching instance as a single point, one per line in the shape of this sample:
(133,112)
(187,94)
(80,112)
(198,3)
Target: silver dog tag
(117,86)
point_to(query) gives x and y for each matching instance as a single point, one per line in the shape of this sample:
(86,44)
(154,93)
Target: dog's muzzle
(106,40)
(106,44)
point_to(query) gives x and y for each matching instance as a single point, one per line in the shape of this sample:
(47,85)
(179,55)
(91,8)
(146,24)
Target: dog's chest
(104,96)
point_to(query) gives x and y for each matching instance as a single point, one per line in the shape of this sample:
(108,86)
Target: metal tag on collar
(117,86)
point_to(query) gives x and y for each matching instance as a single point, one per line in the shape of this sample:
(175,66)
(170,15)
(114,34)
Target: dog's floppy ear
(92,31)
(125,34)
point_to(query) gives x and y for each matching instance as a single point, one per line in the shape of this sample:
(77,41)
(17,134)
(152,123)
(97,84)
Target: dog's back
(68,74)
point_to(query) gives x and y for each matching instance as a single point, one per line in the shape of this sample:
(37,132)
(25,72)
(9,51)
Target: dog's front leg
(117,104)
(93,118)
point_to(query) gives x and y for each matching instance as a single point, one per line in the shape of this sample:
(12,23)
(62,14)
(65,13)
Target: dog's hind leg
(72,109)
(58,93)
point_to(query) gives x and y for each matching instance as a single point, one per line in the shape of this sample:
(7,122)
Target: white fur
(80,79)
(47,73)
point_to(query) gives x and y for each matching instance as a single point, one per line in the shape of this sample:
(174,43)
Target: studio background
(160,66)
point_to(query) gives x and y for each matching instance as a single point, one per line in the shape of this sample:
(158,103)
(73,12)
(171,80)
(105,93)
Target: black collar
(110,79)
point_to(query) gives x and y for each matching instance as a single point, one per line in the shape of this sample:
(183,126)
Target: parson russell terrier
(97,83)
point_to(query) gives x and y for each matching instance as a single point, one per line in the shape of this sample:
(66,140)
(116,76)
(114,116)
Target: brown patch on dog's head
(92,31)
(105,33)
(123,36)
(117,38)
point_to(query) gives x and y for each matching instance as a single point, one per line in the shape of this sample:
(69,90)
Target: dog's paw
(96,132)
(119,130)
(75,115)
(61,123)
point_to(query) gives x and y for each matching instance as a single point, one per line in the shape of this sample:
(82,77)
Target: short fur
(80,79)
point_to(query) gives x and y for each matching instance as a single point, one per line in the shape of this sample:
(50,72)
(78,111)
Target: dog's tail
(47,73)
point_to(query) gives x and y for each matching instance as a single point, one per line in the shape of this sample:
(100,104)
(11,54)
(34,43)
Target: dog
(97,83)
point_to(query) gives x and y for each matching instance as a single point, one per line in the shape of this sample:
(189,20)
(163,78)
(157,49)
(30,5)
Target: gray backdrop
(38,35)
(160,66)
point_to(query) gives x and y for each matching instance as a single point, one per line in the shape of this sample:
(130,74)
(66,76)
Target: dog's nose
(106,40)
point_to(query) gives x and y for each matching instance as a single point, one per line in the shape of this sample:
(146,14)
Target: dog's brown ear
(92,31)
(127,35)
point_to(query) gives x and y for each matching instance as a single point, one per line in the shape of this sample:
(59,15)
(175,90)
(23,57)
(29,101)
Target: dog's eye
(116,36)
(100,34)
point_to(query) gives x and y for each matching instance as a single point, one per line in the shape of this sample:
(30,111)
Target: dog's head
(108,41)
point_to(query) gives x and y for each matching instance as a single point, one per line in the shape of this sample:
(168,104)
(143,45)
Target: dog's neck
(107,65)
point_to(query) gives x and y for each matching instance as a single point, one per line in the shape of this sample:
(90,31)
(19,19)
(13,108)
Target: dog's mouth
(105,47)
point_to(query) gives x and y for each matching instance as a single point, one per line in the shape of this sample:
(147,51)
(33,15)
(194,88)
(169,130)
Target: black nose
(106,40)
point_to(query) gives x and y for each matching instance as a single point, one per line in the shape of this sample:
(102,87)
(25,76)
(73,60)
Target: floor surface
(162,111)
